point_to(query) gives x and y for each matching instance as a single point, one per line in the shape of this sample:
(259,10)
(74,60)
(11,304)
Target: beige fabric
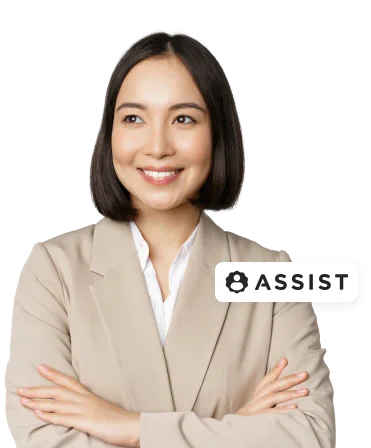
(82,307)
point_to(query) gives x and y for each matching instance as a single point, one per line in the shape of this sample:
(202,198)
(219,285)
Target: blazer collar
(153,376)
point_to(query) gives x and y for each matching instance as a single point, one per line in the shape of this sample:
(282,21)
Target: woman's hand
(268,392)
(71,404)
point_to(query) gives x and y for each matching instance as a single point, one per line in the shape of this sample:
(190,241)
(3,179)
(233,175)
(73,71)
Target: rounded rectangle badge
(292,281)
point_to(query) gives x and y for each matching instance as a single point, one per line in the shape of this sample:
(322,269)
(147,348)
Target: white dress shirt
(163,311)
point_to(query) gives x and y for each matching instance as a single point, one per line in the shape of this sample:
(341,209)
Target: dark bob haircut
(223,185)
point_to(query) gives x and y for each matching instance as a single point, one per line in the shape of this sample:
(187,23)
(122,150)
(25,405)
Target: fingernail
(281,363)
(43,367)
(301,374)
(302,391)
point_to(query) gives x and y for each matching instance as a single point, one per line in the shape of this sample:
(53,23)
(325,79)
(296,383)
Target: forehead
(159,81)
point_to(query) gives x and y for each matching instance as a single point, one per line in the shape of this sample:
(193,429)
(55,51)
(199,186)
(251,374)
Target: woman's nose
(159,144)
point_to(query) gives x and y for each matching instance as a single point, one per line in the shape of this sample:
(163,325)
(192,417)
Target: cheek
(123,148)
(197,151)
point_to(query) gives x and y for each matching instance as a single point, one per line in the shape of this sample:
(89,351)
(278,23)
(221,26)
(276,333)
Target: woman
(123,312)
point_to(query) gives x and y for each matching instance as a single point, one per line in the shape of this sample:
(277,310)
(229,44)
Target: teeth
(160,175)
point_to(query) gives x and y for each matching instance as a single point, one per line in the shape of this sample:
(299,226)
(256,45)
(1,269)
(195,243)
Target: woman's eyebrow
(173,107)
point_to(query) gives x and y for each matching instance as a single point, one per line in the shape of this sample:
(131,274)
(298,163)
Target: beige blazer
(82,307)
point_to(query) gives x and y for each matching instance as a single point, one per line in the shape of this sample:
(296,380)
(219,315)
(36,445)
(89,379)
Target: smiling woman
(124,312)
(166,109)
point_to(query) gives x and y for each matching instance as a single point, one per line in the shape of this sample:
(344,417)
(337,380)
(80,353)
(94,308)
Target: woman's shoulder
(71,239)
(74,246)
(243,248)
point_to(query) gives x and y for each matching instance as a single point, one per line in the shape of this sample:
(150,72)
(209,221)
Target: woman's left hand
(69,403)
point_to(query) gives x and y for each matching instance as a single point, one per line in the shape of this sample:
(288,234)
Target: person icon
(236,281)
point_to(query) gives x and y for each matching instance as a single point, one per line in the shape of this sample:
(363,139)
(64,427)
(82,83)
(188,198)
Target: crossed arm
(40,335)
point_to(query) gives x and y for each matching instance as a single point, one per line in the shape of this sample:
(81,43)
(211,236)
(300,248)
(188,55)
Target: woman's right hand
(272,391)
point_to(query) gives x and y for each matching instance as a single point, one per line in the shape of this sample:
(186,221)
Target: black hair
(223,185)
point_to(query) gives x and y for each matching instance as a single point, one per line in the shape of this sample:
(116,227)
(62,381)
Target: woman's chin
(160,205)
(159,202)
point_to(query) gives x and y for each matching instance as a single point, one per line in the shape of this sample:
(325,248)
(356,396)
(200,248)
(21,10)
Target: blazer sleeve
(39,335)
(295,335)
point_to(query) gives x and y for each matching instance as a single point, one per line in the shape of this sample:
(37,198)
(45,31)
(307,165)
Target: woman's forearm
(133,428)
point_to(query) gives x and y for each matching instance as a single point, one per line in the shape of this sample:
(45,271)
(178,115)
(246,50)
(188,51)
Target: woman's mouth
(160,178)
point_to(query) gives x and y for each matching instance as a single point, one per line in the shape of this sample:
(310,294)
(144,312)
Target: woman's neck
(165,231)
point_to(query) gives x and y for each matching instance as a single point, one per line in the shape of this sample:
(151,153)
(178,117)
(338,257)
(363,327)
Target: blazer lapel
(123,301)
(198,316)
(157,379)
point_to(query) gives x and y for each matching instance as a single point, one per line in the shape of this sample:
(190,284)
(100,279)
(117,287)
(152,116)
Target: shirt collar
(143,249)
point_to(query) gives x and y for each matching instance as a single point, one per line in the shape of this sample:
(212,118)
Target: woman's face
(161,134)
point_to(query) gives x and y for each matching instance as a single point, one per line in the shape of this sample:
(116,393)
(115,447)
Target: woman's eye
(130,121)
(185,116)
